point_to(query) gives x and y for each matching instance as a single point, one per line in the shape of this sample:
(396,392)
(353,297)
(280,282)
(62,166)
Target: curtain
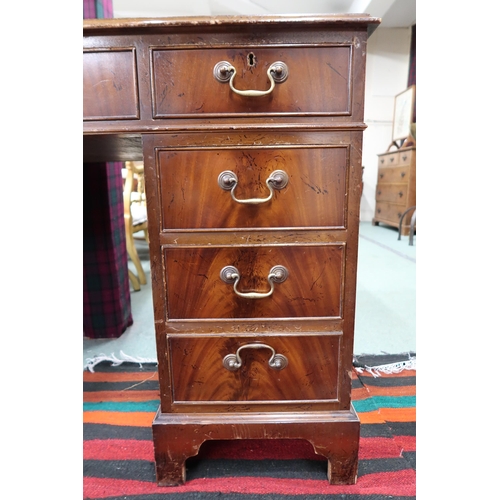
(106,291)
(412,73)
(96,9)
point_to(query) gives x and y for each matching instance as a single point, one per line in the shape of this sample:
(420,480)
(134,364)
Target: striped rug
(118,460)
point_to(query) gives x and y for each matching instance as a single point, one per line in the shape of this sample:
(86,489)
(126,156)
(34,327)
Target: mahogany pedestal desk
(250,129)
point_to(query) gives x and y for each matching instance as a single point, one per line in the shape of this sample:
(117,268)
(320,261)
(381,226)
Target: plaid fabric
(97,9)
(412,73)
(106,293)
(119,405)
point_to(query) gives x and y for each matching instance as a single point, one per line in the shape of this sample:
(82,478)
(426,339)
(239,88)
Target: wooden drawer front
(389,160)
(319,81)
(389,211)
(199,375)
(110,85)
(393,175)
(394,193)
(313,287)
(314,195)
(405,157)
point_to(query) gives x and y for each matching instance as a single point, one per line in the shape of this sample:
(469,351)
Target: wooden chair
(136,218)
(413,222)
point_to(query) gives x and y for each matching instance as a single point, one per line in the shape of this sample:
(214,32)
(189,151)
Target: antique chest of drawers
(396,188)
(251,134)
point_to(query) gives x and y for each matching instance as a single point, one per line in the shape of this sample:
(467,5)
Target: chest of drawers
(251,134)
(396,188)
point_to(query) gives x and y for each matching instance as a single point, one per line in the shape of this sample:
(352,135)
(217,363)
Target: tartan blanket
(118,459)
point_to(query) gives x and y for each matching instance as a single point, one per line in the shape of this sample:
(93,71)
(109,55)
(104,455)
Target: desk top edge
(119,24)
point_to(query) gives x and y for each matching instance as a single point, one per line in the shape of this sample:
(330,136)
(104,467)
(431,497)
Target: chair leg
(400,226)
(134,257)
(412,226)
(134,280)
(401,220)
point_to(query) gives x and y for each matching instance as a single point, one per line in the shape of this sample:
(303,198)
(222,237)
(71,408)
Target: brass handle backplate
(229,180)
(233,362)
(225,72)
(230,274)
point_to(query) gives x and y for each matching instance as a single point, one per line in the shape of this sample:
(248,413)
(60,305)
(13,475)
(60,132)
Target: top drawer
(319,81)
(405,157)
(388,160)
(110,89)
(396,158)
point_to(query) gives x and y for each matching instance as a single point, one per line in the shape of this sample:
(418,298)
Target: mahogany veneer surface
(313,197)
(326,90)
(256,357)
(194,273)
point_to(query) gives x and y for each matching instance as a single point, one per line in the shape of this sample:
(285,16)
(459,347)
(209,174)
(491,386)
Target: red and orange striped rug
(118,462)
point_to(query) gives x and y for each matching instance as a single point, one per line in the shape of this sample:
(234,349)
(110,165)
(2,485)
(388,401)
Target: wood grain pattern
(319,81)
(146,35)
(334,435)
(111,147)
(110,85)
(313,288)
(314,196)
(198,373)
(191,128)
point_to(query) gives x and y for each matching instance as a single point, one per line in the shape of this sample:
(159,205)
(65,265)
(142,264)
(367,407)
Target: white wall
(387,65)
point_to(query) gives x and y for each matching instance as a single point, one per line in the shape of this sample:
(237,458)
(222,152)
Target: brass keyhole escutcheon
(252,60)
